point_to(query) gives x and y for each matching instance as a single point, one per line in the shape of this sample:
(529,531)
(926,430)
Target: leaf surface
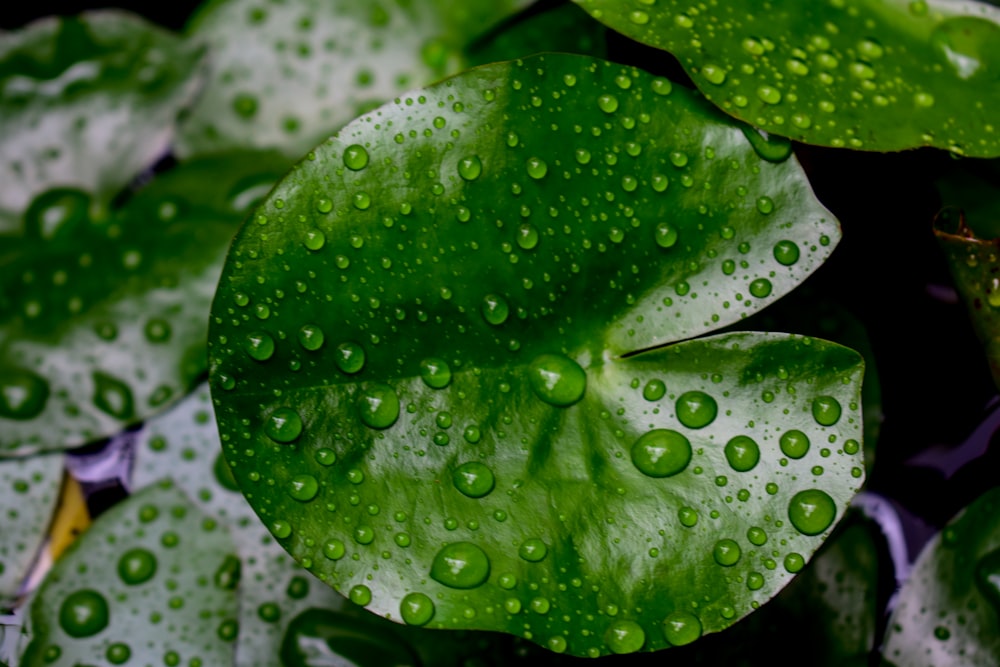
(876,75)
(947,611)
(443,414)
(152,577)
(103,320)
(87,102)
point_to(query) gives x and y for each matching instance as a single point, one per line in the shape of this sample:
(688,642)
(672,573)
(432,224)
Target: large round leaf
(87,102)
(947,611)
(103,321)
(878,75)
(286,75)
(421,362)
(152,577)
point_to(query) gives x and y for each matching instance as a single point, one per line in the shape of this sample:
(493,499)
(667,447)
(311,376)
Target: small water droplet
(661,453)
(350,357)
(378,406)
(315,240)
(461,565)
(557,379)
(84,613)
(259,346)
(537,168)
(527,236)
(245,105)
(826,410)
(157,330)
(112,396)
(794,444)
(334,549)
(355,157)
(786,252)
(681,628)
(311,337)
(624,636)
(742,453)
(726,552)
(607,103)
(360,595)
(470,168)
(137,566)
(436,373)
(811,511)
(416,609)
(760,288)
(533,550)
(23,394)
(654,390)
(495,309)
(665,235)
(303,488)
(473,479)
(688,517)
(284,425)
(696,409)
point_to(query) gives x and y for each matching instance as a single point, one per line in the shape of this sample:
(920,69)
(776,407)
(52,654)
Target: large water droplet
(527,237)
(112,396)
(56,211)
(786,252)
(495,309)
(811,511)
(537,168)
(473,479)
(136,566)
(311,337)
(470,168)
(284,425)
(259,346)
(665,235)
(416,609)
(742,453)
(378,406)
(681,628)
(22,394)
(696,409)
(350,357)
(533,550)
(794,444)
(355,157)
(435,373)
(461,565)
(727,552)
(624,636)
(661,453)
(84,613)
(970,45)
(826,410)
(557,379)
(303,488)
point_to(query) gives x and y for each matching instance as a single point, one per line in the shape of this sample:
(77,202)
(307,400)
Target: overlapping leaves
(424,362)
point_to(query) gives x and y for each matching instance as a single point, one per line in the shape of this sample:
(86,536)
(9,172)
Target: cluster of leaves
(458,351)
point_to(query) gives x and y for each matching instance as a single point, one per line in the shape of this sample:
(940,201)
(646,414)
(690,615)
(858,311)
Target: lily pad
(87,102)
(287,75)
(29,489)
(152,577)
(446,416)
(947,611)
(103,320)
(974,268)
(862,74)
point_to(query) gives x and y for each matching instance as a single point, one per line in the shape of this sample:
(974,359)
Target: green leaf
(974,270)
(287,75)
(29,489)
(863,74)
(87,102)
(947,611)
(103,320)
(439,417)
(152,577)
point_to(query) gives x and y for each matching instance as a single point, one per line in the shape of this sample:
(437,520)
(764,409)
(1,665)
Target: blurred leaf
(876,75)
(152,577)
(86,102)
(947,612)
(103,320)
(445,413)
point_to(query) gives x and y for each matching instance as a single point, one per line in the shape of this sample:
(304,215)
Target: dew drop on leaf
(624,636)
(794,444)
(495,309)
(435,373)
(137,566)
(378,406)
(681,628)
(533,550)
(661,453)
(355,157)
(84,613)
(727,552)
(473,479)
(416,609)
(826,410)
(461,565)
(284,425)
(557,379)
(696,409)
(350,357)
(811,511)
(742,453)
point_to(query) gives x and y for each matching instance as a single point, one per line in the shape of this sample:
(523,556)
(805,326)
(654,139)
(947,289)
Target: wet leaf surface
(29,489)
(87,102)
(103,319)
(947,612)
(287,75)
(152,577)
(861,74)
(441,413)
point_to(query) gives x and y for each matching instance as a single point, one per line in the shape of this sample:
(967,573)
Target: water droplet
(55,211)
(118,653)
(259,346)
(665,235)
(245,105)
(661,453)
(84,613)
(826,410)
(527,236)
(472,434)
(136,566)
(742,453)
(794,444)
(157,330)
(607,103)
(924,100)
(769,147)
(303,488)
(311,337)
(495,309)
(224,474)
(360,595)
(473,479)
(557,379)
(23,394)
(969,44)
(696,409)
(726,552)
(987,578)
(757,536)
(537,168)
(794,562)
(435,373)
(334,549)
(350,357)
(654,390)
(688,517)
(315,240)
(624,636)
(112,396)
(769,94)
(533,550)
(714,74)
(378,406)
(461,565)
(786,252)
(324,205)
(284,425)
(811,511)
(355,157)
(361,200)
(416,609)
(470,168)
(681,628)
(760,288)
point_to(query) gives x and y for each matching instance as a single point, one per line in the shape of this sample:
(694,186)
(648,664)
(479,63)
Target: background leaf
(87,102)
(286,75)
(436,402)
(103,320)
(862,74)
(152,577)
(947,611)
